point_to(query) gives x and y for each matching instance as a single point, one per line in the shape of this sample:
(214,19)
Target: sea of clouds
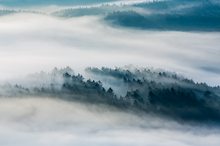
(33,42)
(36,39)
(45,121)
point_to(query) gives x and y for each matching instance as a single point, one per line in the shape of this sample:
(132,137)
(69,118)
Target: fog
(148,99)
(45,121)
(38,111)
(33,42)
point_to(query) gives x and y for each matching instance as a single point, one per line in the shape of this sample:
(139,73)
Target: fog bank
(33,42)
(37,121)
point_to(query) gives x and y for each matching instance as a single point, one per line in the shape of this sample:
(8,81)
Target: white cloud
(30,43)
(46,121)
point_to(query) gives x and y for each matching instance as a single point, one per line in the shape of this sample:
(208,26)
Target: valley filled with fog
(128,72)
(37,121)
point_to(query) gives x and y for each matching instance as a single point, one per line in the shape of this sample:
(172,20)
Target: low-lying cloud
(33,42)
(37,121)
(108,106)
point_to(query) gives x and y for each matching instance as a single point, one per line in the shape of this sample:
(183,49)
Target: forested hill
(144,90)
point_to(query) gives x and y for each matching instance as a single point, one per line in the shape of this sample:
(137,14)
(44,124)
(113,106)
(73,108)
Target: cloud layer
(60,108)
(37,121)
(123,106)
(42,42)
